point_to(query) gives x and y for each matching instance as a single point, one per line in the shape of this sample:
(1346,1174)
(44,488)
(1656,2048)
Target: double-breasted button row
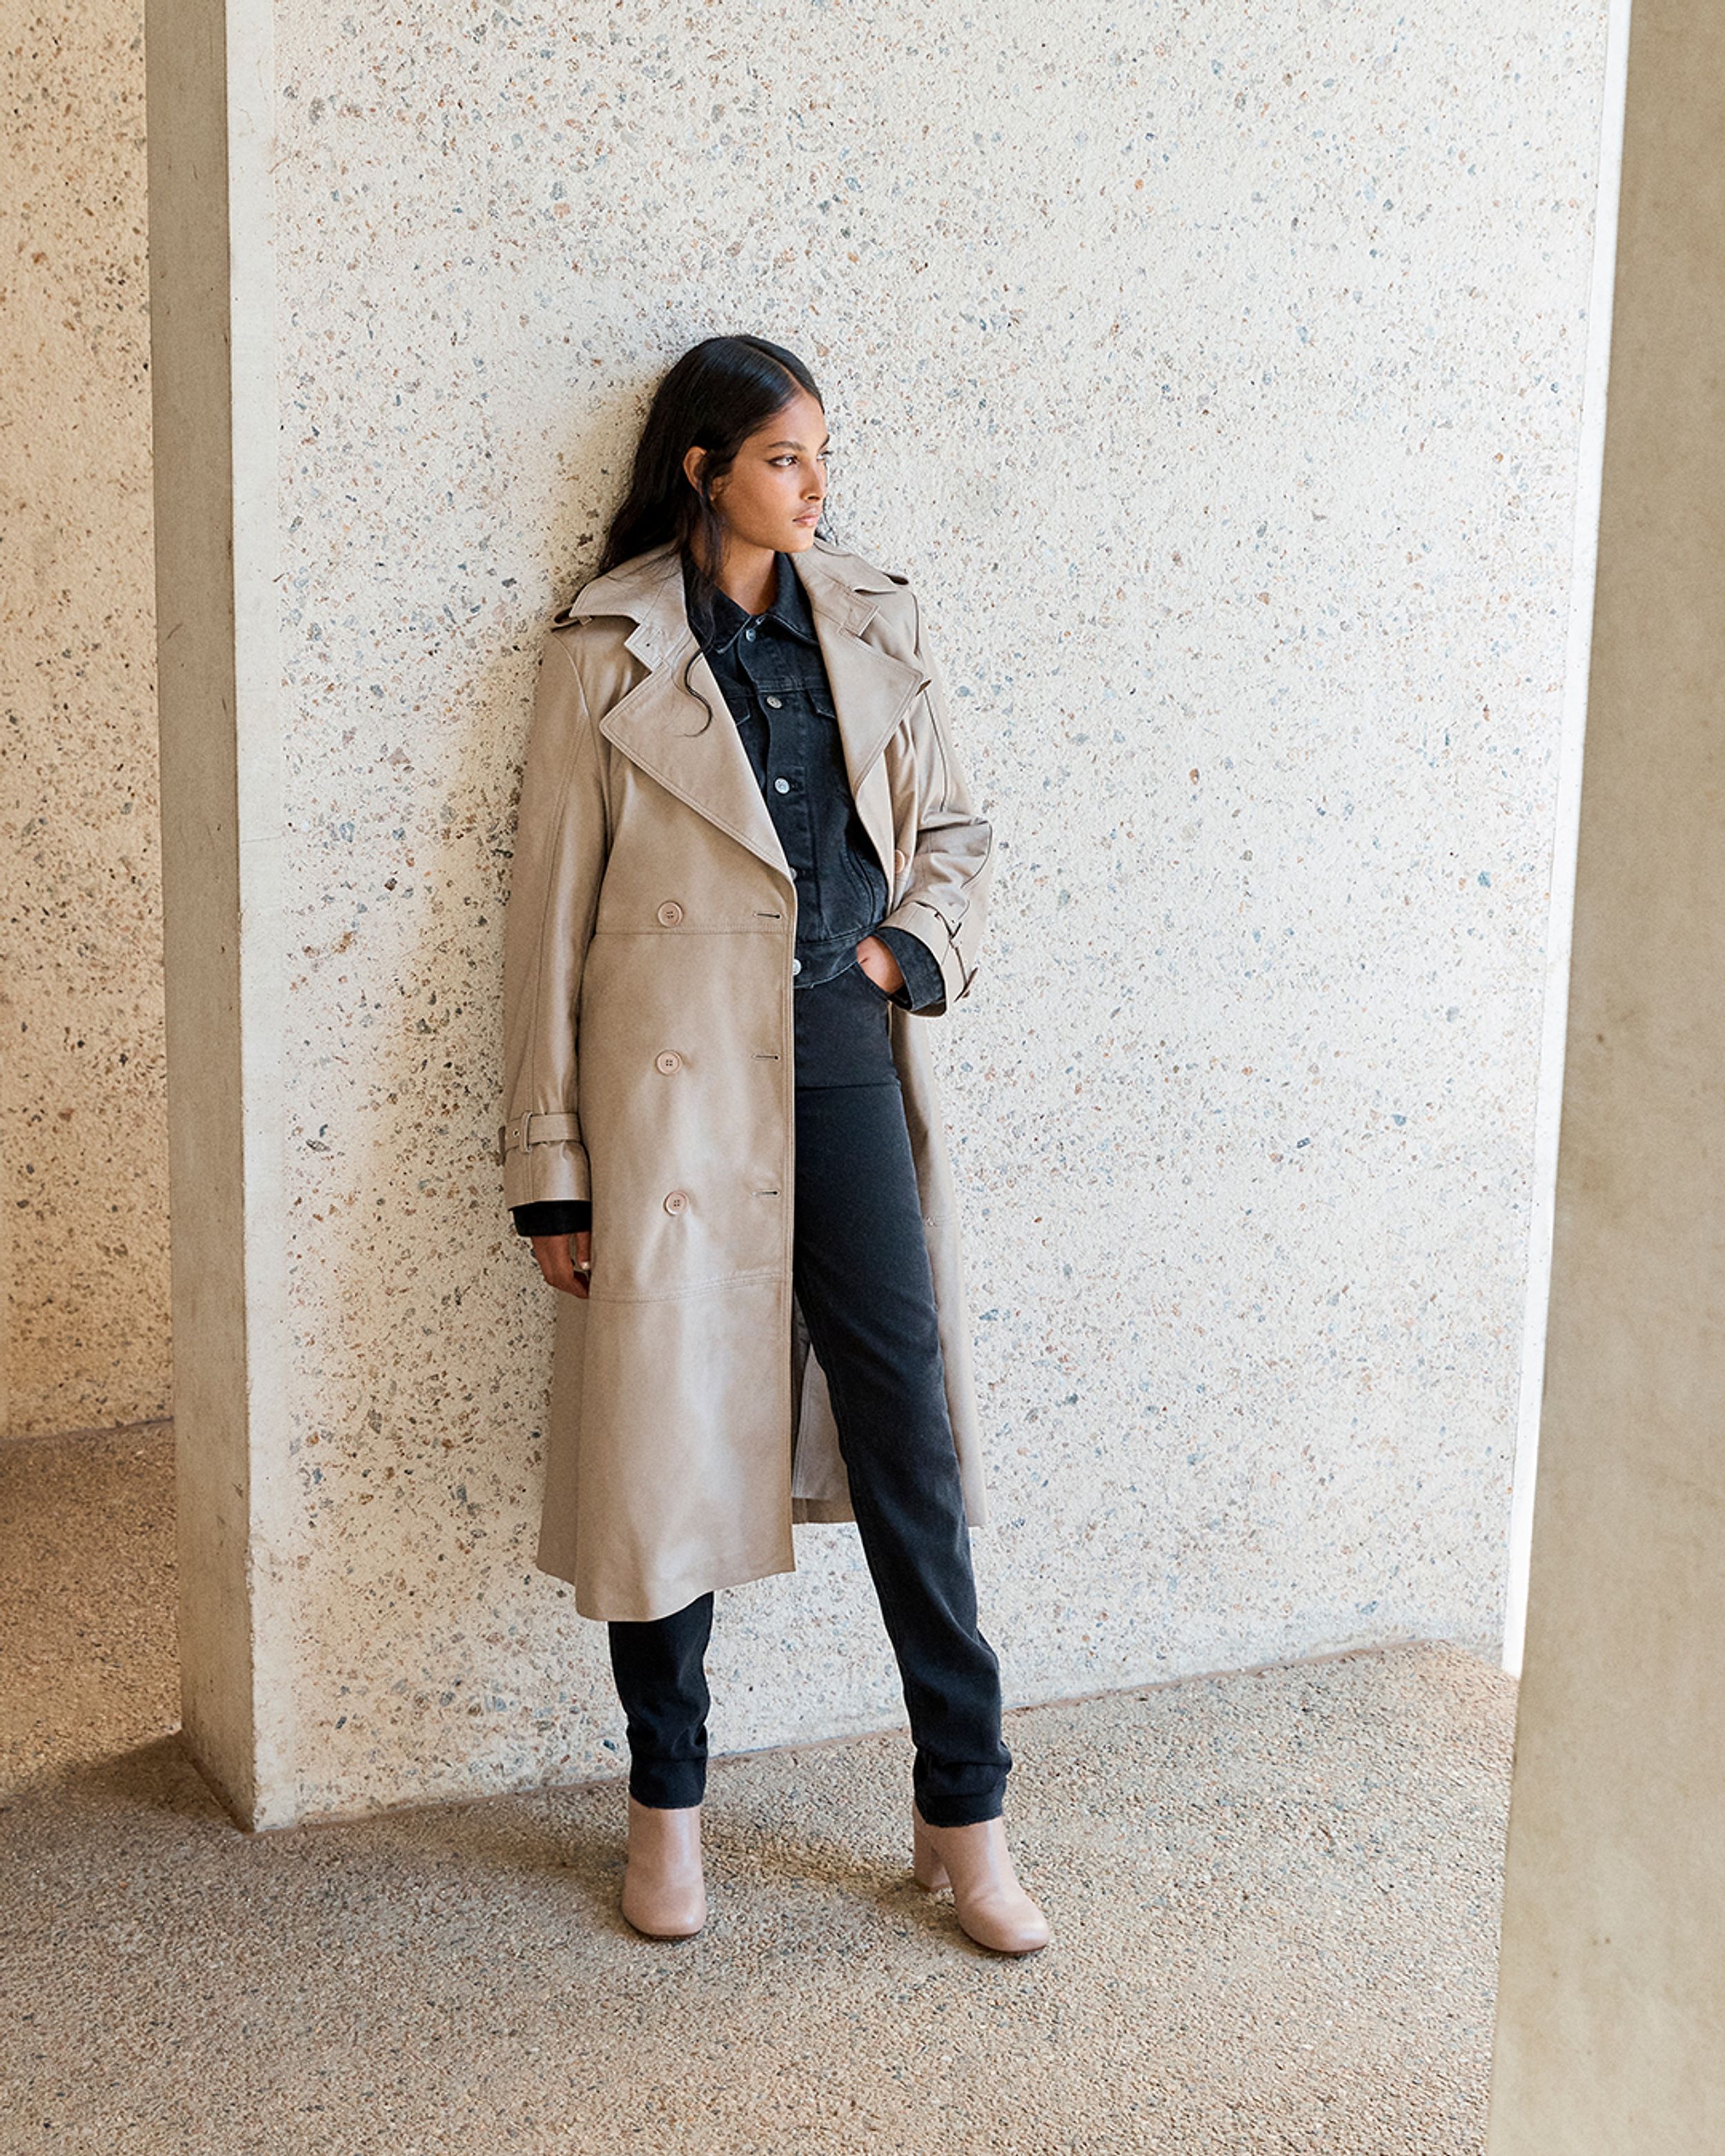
(670,913)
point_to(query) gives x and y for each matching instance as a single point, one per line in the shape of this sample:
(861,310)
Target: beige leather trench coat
(648,1066)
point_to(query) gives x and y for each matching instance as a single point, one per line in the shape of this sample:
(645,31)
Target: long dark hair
(714,397)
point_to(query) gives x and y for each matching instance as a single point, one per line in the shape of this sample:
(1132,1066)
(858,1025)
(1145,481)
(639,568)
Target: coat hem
(662,1602)
(821,1512)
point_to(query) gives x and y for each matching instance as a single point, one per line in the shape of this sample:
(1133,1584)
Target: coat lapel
(662,723)
(871,689)
(674,723)
(676,726)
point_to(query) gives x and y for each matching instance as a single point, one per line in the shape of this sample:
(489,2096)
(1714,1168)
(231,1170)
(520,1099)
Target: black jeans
(861,1274)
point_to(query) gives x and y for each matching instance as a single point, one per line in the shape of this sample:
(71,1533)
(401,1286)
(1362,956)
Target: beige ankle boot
(991,1907)
(663,1888)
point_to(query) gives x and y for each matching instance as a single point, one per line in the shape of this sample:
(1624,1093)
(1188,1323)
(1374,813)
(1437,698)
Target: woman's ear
(694,464)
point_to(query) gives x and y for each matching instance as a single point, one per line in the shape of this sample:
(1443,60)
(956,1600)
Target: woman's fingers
(885,962)
(565,1260)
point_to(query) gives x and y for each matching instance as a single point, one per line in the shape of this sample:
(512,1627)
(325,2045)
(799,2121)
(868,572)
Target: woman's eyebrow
(795,445)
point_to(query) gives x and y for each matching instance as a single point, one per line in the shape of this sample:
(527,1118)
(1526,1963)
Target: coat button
(901,860)
(676,1201)
(668,1061)
(670,913)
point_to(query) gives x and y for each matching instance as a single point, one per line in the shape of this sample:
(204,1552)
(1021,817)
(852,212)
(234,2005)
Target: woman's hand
(565,1260)
(877,961)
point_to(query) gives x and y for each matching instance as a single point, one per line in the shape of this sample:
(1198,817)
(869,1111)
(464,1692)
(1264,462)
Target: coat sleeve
(923,983)
(561,844)
(946,901)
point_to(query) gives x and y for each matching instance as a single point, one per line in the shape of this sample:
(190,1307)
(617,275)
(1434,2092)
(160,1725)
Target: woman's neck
(749,575)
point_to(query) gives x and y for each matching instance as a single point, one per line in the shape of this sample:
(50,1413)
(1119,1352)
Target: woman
(747,862)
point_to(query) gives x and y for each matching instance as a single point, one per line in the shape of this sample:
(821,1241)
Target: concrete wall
(1217,378)
(1613,1982)
(84,1266)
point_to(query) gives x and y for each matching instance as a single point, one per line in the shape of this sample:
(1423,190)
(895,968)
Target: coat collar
(647,588)
(662,723)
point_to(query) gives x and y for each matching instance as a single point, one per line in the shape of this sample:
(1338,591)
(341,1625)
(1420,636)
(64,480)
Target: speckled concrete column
(212,312)
(83,1241)
(1217,379)
(1613,1984)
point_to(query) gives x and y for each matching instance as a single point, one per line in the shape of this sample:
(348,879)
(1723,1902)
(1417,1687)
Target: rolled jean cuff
(950,1807)
(961,1811)
(670,1784)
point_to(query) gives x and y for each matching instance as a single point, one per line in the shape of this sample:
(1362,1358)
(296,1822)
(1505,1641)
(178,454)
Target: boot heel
(927,1868)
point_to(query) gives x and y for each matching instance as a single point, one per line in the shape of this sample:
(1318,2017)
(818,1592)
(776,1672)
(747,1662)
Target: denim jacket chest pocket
(846,837)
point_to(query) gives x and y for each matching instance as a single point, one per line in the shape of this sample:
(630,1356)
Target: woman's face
(773,494)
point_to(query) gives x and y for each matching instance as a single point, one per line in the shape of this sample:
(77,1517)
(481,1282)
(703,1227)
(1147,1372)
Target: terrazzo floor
(1275,1899)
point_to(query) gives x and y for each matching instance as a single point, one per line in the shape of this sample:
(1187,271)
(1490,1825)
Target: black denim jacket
(770,669)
